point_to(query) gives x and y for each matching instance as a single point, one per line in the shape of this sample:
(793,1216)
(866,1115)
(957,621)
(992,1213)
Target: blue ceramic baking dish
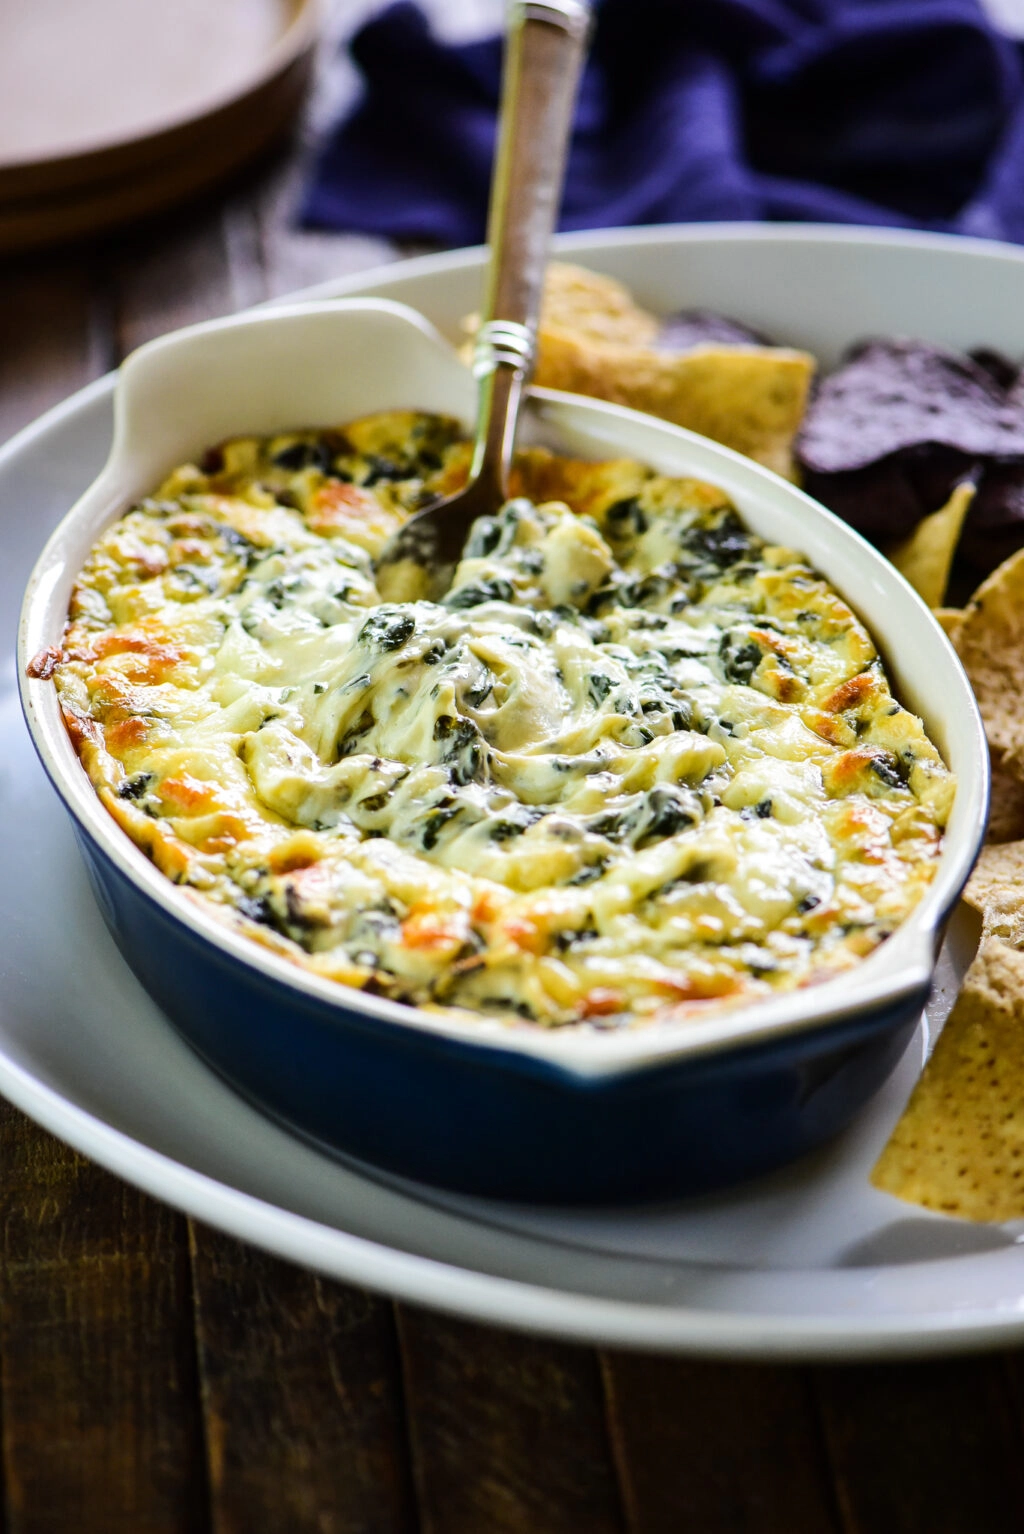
(488,1107)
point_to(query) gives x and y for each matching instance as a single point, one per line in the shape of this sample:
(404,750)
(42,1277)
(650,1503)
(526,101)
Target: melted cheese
(635,764)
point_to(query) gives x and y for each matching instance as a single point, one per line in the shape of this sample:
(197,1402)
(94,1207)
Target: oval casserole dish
(564,1116)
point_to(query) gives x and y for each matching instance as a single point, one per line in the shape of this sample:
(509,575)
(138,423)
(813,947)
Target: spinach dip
(636,765)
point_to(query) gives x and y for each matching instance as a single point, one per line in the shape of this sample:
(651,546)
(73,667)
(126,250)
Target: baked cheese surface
(635,765)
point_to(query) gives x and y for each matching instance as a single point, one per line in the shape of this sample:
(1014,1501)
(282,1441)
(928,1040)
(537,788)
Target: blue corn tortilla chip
(995,526)
(891,396)
(966,416)
(703,327)
(1000,369)
(886,500)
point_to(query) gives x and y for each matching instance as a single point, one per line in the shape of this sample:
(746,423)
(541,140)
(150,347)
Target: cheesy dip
(636,764)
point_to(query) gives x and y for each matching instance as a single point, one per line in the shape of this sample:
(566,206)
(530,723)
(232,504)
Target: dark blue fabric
(907,112)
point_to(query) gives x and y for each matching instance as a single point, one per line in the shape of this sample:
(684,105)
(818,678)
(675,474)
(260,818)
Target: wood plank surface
(291,258)
(508,1432)
(99,1404)
(302,1392)
(169,275)
(301,1381)
(719,1448)
(923,1448)
(54,335)
(101,1425)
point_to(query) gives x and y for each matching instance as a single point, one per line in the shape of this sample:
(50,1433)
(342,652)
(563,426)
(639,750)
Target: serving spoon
(544,53)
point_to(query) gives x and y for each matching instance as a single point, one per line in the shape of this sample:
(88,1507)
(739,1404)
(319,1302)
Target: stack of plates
(112,109)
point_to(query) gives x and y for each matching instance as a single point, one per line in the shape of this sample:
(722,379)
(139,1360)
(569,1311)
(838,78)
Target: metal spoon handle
(544,52)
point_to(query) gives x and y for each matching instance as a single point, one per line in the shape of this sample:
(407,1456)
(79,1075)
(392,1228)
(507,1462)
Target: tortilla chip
(1006,808)
(593,339)
(926,557)
(997,518)
(688,328)
(750,398)
(999,368)
(594,308)
(886,500)
(890,395)
(990,642)
(959,1147)
(590,306)
(948,619)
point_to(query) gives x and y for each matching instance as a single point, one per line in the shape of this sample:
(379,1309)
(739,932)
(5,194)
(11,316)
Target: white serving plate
(810,1262)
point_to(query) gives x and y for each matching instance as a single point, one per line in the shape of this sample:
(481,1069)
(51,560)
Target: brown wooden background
(158,1376)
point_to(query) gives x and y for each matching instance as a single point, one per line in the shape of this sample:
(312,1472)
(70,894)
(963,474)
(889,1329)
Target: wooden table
(158,1376)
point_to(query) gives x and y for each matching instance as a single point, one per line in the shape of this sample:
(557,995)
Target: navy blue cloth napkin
(907,112)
